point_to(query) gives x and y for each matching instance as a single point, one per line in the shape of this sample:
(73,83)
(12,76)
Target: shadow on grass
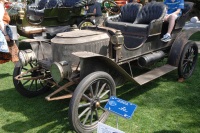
(37,111)
(168,131)
(4,75)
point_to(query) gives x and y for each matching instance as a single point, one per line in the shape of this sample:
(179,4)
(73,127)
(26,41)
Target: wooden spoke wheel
(88,101)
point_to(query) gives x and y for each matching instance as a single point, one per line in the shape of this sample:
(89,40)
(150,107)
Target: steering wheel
(111,7)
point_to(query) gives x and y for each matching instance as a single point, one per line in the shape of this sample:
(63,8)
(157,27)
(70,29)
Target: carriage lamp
(117,39)
(60,70)
(26,56)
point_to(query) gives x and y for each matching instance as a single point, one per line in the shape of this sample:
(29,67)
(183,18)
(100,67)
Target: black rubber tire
(94,80)
(188,60)
(26,90)
(85,23)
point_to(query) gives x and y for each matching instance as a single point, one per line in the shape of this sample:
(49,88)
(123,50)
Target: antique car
(34,17)
(86,65)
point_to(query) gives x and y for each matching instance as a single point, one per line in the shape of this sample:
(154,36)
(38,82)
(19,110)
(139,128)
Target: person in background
(13,49)
(96,10)
(133,1)
(173,12)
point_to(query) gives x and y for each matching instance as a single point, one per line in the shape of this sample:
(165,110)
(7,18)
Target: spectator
(96,10)
(173,12)
(12,52)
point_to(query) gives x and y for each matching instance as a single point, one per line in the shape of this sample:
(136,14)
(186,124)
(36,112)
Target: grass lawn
(164,106)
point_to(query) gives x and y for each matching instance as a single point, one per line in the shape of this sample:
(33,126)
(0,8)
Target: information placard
(120,107)
(103,128)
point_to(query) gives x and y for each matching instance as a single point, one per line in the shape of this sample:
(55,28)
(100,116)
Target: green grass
(164,106)
(196,36)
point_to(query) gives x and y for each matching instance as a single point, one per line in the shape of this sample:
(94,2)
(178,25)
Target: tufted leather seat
(128,14)
(148,22)
(126,18)
(150,15)
(151,11)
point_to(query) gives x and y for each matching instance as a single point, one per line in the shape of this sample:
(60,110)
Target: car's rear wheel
(88,101)
(188,60)
(29,85)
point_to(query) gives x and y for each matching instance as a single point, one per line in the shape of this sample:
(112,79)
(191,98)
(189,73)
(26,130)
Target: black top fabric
(96,6)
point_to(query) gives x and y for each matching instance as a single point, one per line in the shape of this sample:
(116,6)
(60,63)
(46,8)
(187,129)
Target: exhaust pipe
(150,58)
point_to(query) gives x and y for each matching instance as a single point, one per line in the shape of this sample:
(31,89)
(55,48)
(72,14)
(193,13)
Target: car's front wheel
(88,101)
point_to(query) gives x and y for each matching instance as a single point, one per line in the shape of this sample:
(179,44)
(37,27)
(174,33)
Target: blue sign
(120,107)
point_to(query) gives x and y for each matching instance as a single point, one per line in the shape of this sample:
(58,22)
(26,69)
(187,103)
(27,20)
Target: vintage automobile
(34,17)
(87,65)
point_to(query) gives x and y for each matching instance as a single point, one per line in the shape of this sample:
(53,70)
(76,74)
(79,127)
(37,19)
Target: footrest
(153,74)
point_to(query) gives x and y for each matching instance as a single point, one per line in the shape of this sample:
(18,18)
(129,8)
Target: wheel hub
(96,104)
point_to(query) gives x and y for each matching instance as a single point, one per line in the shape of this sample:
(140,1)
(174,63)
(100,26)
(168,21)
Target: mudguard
(90,62)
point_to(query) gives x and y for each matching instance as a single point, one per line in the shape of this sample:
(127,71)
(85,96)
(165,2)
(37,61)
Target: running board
(153,74)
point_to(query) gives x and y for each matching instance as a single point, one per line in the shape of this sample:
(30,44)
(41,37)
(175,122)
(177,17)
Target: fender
(178,45)
(91,62)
